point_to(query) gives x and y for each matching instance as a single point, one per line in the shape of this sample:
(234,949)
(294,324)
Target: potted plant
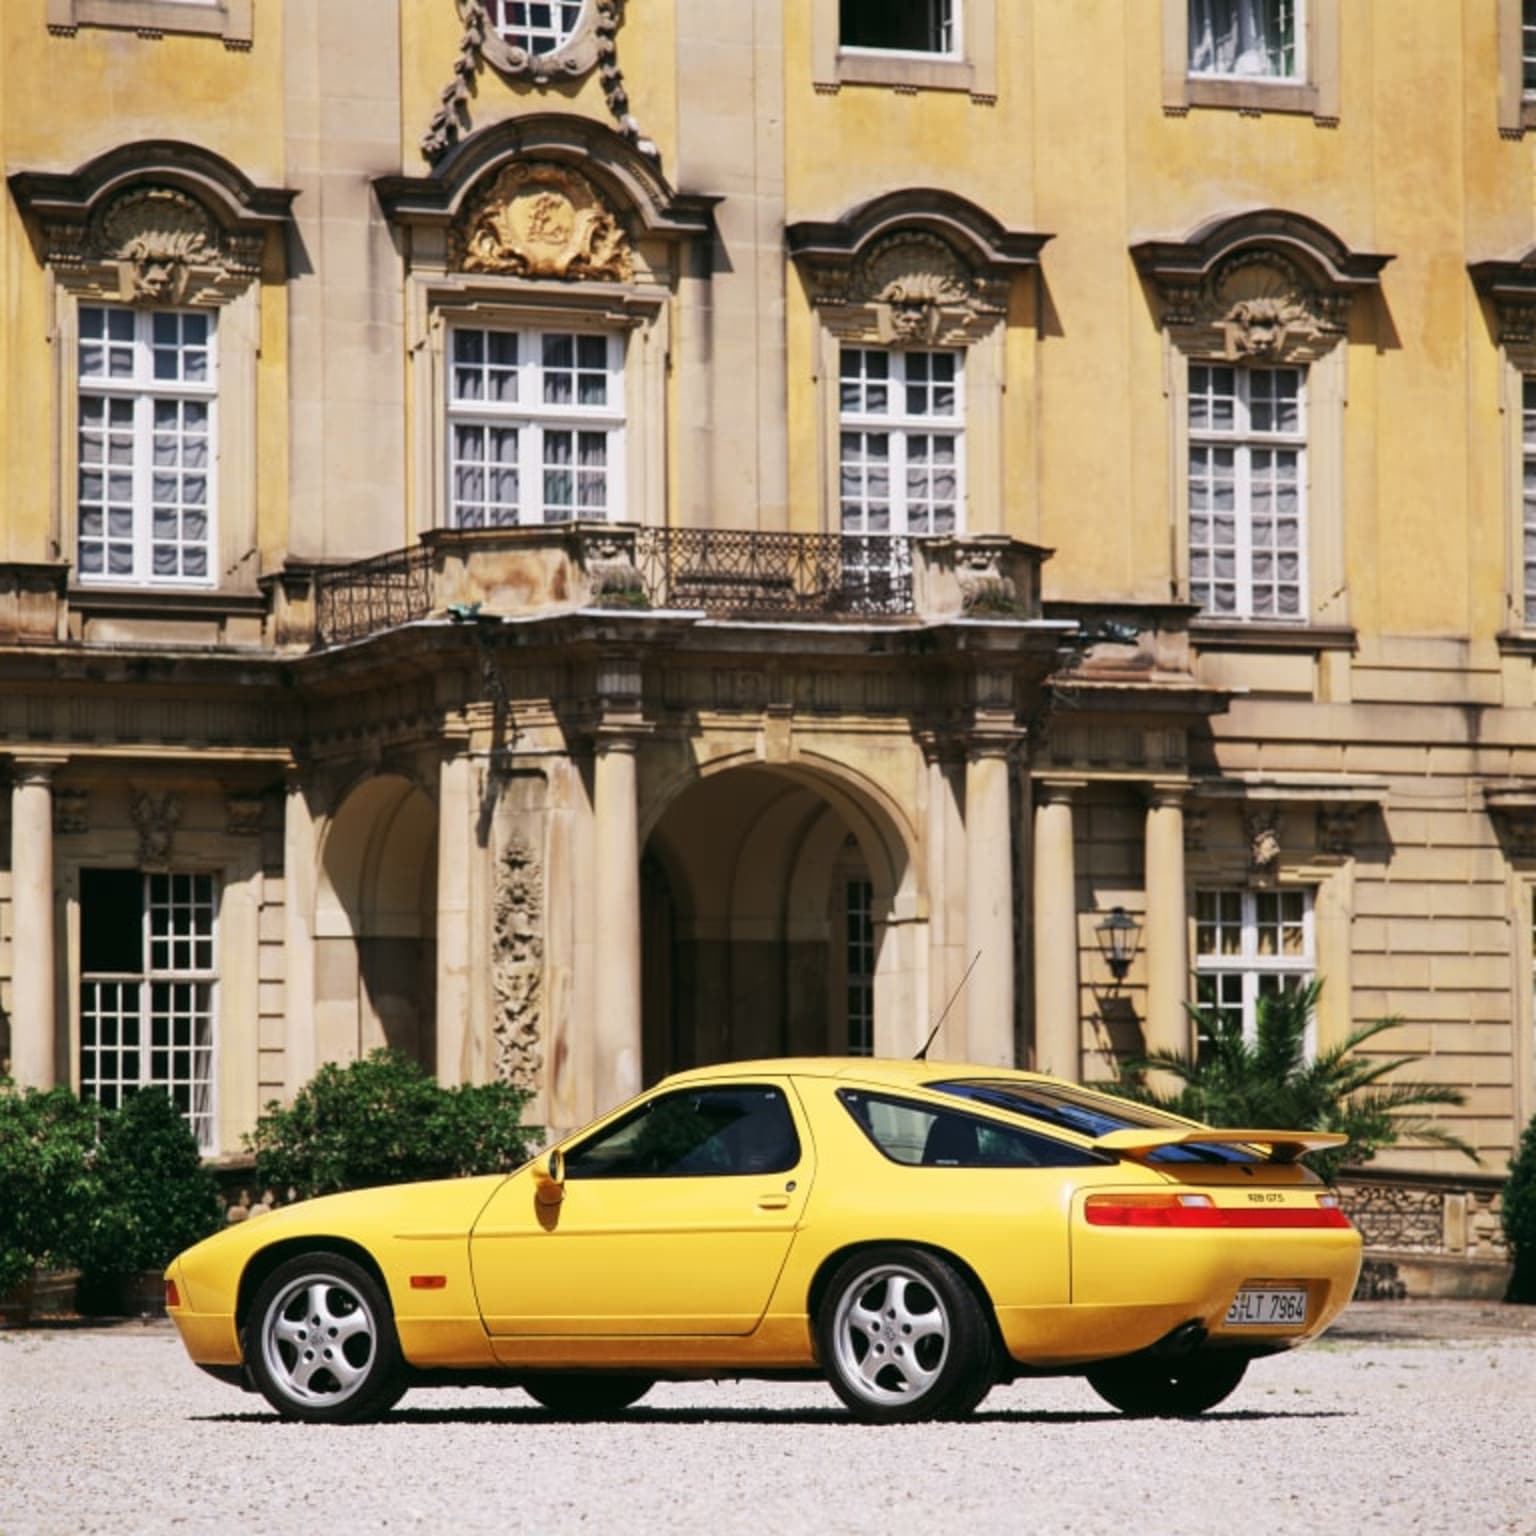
(156,1199)
(48,1177)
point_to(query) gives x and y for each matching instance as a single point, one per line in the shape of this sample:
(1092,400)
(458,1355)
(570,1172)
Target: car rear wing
(1284,1146)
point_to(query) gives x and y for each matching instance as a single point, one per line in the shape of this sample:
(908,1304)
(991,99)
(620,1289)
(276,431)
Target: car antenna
(922,1055)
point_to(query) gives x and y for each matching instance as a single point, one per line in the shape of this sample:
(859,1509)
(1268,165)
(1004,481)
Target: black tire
(586,1395)
(1148,1388)
(902,1336)
(320,1342)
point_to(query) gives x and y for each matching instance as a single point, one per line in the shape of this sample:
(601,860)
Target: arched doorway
(375,921)
(767,896)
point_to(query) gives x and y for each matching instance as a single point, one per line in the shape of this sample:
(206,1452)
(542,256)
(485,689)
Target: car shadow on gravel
(787,1416)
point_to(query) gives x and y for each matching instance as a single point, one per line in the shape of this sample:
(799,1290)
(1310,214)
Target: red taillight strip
(172,1295)
(1173,1210)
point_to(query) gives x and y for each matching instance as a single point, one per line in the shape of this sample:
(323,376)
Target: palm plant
(1270,1082)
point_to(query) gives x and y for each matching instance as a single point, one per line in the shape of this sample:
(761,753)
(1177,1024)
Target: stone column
(1058,1022)
(300,1046)
(457,1057)
(989,996)
(34,1037)
(617,816)
(1167,927)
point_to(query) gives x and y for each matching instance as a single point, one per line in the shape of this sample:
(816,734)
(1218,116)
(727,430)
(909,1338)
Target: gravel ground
(1375,1429)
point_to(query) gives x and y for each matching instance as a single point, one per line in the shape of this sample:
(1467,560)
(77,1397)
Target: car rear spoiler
(1284,1146)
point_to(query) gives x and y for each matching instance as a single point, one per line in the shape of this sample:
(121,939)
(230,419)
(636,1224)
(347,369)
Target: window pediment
(1510,285)
(912,268)
(1268,286)
(154,223)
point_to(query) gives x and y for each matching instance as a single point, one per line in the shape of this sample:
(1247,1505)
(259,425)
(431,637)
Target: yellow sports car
(912,1231)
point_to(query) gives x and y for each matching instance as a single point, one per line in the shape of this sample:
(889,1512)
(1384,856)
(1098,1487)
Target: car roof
(895,1071)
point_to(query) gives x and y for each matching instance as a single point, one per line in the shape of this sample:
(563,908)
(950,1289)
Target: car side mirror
(549,1179)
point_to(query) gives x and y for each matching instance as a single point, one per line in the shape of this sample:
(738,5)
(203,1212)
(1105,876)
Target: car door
(676,1218)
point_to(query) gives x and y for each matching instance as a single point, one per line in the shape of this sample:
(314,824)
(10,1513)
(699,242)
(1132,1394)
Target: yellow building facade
(578,538)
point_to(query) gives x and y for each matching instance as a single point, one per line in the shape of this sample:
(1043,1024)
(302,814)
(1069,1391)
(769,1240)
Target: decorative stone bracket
(1512,806)
(1267,286)
(1511,287)
(1339,808)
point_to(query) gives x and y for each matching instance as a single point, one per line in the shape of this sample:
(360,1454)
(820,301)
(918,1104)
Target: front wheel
(1149,1388)
(321,1342)
(580,1395)
(902,1336)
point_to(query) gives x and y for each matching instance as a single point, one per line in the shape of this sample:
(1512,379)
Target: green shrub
(385,1120)
(156,1196)
(49,1181)
(1519,1217)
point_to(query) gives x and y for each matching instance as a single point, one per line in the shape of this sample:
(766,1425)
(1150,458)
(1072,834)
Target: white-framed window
(535,427)
(146,444)
(536,26)
(1247,40)
(927,27)
(901,441)
(859,954)
(1247,491)
(1528,47)
(148,982)
(1249,943)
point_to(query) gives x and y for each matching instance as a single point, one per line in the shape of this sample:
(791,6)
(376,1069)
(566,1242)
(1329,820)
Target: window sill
(1224,635)
(226,19)
(1251,95)
(905,71)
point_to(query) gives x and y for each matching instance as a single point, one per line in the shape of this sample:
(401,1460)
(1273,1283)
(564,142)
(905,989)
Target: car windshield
(1091,1114)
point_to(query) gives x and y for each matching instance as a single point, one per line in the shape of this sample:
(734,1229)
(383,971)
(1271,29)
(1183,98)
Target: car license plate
(1267,1307)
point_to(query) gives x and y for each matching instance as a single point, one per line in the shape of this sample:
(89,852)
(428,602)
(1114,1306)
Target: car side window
(923,1136)
(691,1133)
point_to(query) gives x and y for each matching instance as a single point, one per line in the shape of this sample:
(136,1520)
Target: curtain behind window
(1242,37)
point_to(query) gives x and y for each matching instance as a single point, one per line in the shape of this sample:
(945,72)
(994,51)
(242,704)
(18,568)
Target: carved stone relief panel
(541,219)
(71,810)
(1255,307)
(243,815)
(155,817)
(910,288)
(517,966)
(153,245)
(1263,829)
(1337,828)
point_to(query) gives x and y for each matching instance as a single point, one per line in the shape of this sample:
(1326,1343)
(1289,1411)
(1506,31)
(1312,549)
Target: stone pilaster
(617,1025)
(34,1036)
(1167,928)
(1058,1026)
(989,994)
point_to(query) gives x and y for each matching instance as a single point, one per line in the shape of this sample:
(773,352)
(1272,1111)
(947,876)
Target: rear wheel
(902,1336)
(586,1395)
(321,1342)
(1168,1388)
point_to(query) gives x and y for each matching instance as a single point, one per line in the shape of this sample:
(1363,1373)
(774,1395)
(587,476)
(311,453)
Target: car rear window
(1091,1114)
(925,1136)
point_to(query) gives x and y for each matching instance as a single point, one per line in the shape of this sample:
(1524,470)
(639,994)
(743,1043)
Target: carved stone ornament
(540,219)
(71,810)
(911,288)
(243,815)
(1256,307)
(153,245)
(156,817)
(984,586)
(1263,829)
(1337,828)
(1196,829)
(517,965)
(611,572)
(579,43)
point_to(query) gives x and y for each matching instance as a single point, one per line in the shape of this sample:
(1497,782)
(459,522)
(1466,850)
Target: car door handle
(773,1202)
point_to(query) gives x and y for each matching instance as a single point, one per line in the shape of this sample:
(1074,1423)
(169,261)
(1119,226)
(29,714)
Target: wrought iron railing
(352,601)
(736,573)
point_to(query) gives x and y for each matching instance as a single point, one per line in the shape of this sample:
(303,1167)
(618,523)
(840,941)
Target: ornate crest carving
(984,586)
(156,817)
(910,288)
(539,219)
(1263,829)
(517,967)
(1337,828)
(153,245)
(1256,306)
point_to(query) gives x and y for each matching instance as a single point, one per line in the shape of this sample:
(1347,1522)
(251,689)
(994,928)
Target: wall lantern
(1117,936)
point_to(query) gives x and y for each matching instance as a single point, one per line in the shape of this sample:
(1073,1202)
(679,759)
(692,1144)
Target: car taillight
(1171,1208)
(172,1295)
